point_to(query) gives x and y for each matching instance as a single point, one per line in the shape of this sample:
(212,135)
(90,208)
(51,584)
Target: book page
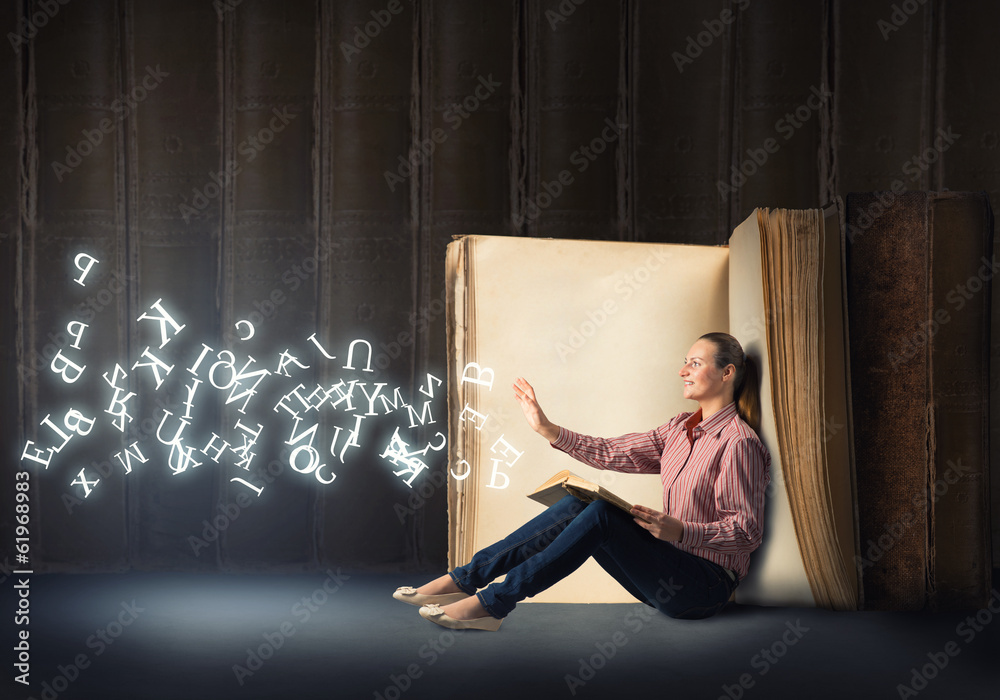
(777,574)
(600,329)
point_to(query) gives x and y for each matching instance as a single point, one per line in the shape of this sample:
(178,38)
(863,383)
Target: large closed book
(920,268)
(601,329)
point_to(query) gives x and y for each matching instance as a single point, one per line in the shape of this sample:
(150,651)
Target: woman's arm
(525,395)
(633,453)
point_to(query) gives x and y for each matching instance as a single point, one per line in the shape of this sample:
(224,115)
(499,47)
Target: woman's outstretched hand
(525,395)
(660,525)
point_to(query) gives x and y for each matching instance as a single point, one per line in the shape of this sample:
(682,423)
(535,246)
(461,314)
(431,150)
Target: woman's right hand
(525,395)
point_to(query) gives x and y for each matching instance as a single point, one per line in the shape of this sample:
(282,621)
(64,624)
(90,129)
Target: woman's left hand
(660,525)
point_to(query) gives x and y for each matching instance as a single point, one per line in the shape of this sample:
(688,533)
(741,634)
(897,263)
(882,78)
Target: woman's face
(702,380)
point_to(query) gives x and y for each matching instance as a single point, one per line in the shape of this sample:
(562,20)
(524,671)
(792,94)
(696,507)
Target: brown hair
(746,386)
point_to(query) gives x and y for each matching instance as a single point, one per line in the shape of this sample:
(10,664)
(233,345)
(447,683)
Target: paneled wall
(303,164)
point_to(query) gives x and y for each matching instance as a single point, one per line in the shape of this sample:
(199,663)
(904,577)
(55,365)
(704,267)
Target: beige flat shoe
(408,594)
(436,614)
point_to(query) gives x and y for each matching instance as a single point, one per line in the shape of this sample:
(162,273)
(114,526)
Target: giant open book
(600,329)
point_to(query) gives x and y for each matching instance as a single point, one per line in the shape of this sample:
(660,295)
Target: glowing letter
(343,397)
(425,416)
(211,446)
(371,397)
(475,413)
(350,355)
(193,369)
(182,457)
(481,371)
(155,364)
(242,376)
(65,366)
(309,433)
(508,448)
(188,404)
(85,268)
(285,360)
(429,391)
(248,484)
(76,335)
(37,457)
(313,463)
(321,348)
(74,418)
(468,470)
(130,452)
(88,486)
(306,406)
(506,479)
(117,407)
(397,401)
(66,438)
(164,319)
(249,335)
(176,439)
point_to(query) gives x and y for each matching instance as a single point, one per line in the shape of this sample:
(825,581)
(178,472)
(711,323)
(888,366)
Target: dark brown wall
(603,119)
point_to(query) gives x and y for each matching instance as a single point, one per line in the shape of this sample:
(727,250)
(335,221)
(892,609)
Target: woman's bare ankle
(439,586)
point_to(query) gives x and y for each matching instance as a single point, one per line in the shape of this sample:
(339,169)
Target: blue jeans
(555,543)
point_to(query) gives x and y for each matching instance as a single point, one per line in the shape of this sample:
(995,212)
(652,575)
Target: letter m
(425,417)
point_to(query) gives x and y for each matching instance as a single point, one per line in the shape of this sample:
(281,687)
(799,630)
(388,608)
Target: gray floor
(142,635)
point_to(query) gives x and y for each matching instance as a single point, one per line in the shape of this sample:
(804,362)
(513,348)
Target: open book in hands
(553,490)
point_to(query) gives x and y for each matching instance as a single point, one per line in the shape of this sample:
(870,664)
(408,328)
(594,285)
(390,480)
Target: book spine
(681,71)
(888,305)
(173,193)
(79,210)
(781,107)
(968,161)
(573,100)
(958,333)
(269,233)
(890,66)
(13,207)
(369,161)
(465,188)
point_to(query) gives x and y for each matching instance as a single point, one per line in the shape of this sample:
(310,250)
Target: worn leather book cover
(970,164)
(918,304)
(963,269)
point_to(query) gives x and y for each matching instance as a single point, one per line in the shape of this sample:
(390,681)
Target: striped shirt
(714,473)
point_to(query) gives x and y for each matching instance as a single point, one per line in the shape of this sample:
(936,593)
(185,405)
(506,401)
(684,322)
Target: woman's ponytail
(746,393)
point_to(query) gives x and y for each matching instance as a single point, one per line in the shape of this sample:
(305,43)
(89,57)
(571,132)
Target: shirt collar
(714,424)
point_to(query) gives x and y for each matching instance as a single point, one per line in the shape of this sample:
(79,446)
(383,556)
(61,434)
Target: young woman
(685,560)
